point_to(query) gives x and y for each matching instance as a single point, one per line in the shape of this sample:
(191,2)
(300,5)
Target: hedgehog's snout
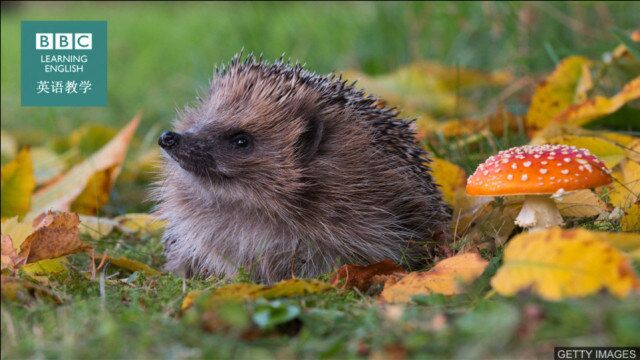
(169,140)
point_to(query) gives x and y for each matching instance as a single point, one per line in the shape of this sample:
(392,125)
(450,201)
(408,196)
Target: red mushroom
(536,172)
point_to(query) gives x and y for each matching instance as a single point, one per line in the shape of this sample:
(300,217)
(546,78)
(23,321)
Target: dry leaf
(137,223)
(444,278)
(250,291)
(47,165)
(95,193)
(428,88)
(600,106)
(55,235)
(60,194)
(362,277)
(558,264)
(14,288)
(631,219)
(581,203)
(96,227)
(557,92)
(451,179)
(129,264)
(17,184)
(625,190)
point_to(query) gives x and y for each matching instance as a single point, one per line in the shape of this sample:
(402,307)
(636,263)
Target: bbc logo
(64,41)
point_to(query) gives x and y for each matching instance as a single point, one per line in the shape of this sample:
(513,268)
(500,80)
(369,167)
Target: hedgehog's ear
(310,139)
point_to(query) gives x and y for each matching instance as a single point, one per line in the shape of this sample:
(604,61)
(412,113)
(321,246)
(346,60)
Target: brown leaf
(444,278)
(56,234)
(362,277)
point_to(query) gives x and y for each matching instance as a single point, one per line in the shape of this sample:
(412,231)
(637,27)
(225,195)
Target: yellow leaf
(625,242)
(293,287)
(46,164)
(427,87)
(95,194)
(42,246)
(17,230)
(610,153)
(444,278)
(131,265)
(189,299)
(135,223)
(633,150)
(46,267)
(592,109)
(558,91)
(451,179)
(250,291)
(581,203)
(96,227)
(17,184)
(558,264)
(625,189)
(631,219)
(60,194)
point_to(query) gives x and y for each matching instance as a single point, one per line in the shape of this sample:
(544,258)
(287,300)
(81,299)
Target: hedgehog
(280,172)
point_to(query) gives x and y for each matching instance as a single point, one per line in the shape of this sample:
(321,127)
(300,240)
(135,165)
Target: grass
(161,54)
(142,319)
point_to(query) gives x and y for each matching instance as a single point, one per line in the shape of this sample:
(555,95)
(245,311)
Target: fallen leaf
(15,288)
(17,184)
(625,190)
(96,227)
(444,278)
(631,219)
(605,150)
(599,106)
(451,179)
(558,264)
(557,92)
(46,267)
(55,235)
(139,222)
(250,291)
(629,243)
(427,87)
(95,193)
(581,203)
(129,264)
(46,164)
(362,277)
(60,194)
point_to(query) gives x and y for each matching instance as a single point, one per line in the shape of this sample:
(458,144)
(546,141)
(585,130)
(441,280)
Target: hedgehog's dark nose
(169,139)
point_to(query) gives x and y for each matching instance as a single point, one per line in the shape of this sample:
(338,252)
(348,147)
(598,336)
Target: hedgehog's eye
(241,140)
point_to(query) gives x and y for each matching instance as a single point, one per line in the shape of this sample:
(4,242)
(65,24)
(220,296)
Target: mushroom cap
(538,169)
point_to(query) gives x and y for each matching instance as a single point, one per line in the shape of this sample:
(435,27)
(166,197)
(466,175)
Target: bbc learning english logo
(63,63)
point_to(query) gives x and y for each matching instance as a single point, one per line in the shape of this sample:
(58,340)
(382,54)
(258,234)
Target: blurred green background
(162,54)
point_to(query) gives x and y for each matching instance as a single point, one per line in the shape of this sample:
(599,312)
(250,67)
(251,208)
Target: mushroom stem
(538,212)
